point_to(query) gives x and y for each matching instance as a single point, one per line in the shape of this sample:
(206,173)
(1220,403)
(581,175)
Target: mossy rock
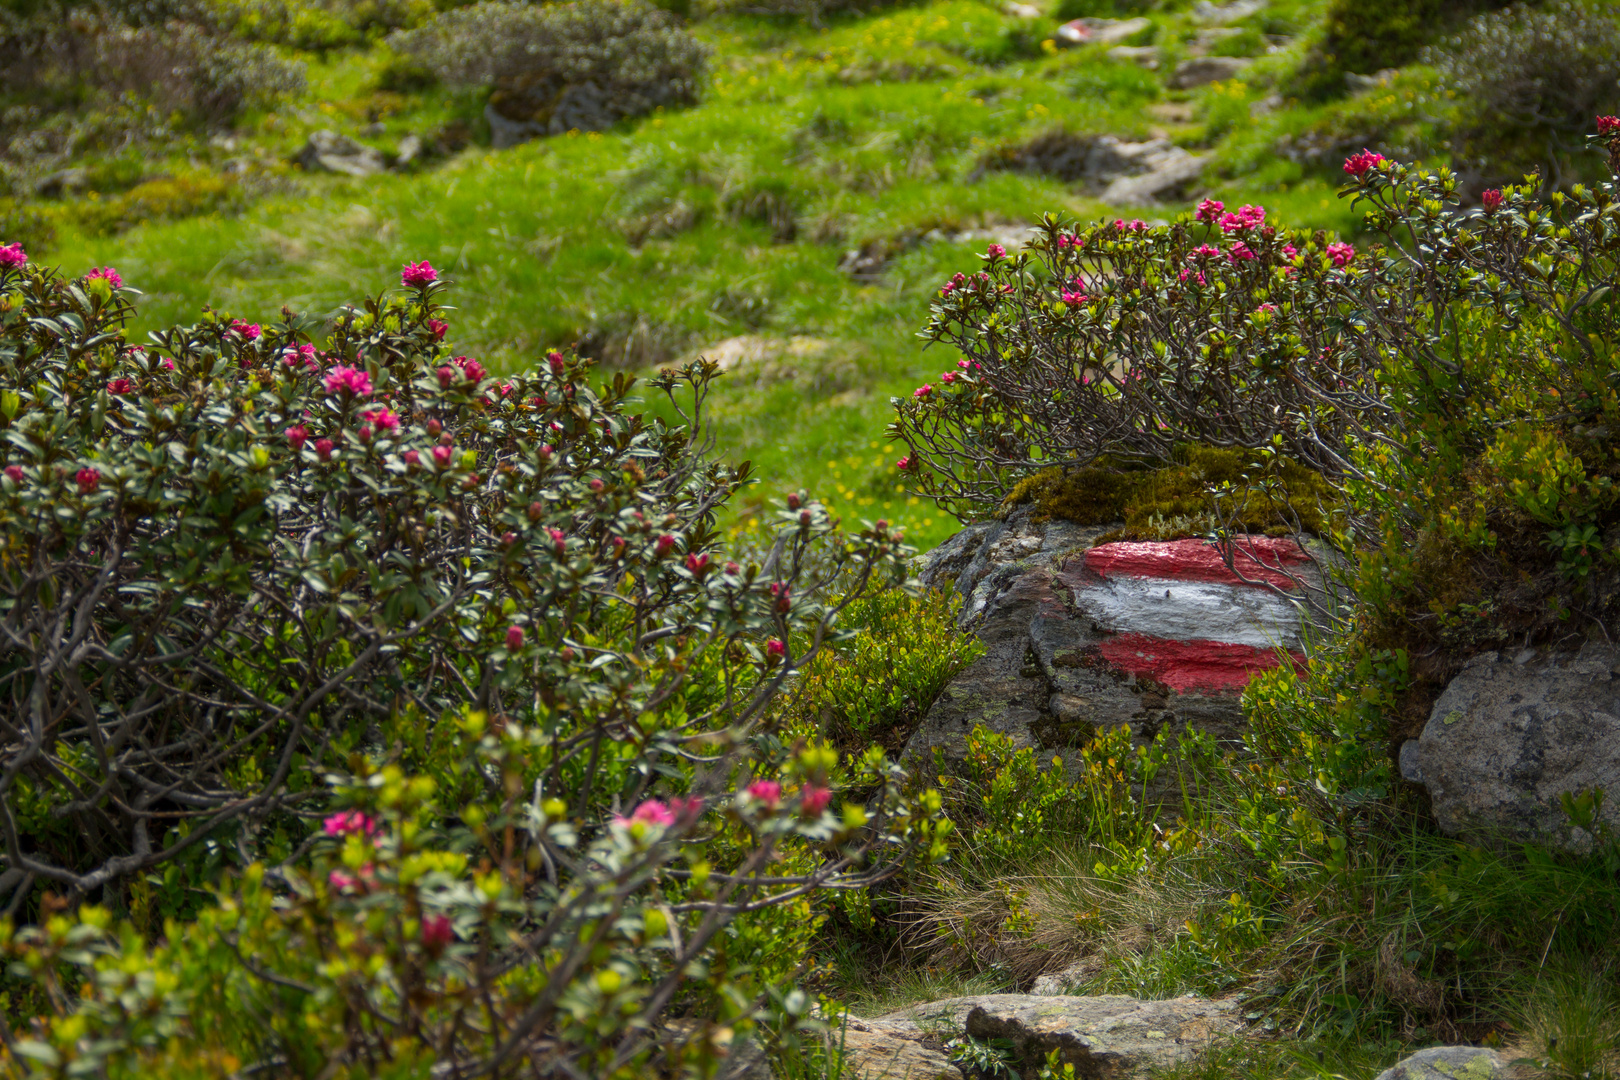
(1175,500)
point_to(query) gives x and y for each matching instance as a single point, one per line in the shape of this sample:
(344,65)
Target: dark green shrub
(1527,81)
(1367,36)
(248,580)
(317,24)
(584,65)
(179,68)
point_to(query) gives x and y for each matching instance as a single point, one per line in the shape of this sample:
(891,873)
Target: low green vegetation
(411,679)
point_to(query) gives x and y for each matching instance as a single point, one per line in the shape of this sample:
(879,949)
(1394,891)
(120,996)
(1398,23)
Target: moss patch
(1202,489)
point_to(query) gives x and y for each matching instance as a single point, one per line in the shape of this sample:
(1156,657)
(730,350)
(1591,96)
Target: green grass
(867,131)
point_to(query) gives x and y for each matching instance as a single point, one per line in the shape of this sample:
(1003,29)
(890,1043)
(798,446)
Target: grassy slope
(869,129)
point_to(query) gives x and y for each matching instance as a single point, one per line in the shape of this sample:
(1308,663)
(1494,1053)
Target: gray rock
(747,1061)
(58,183)
(1113,1037)
(1449,1063)
(1208,13)
(1147,188)
(327,151)
(504,133)
(1062,983)
(891,1050)
(1205,69)
(1099,31)
(1509,736)
(410,148)
(1028,595)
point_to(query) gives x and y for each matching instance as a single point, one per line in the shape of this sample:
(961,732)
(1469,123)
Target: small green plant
(985,1059)
(1572,1016)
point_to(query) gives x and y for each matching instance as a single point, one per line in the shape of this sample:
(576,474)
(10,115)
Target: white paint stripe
(1192,611)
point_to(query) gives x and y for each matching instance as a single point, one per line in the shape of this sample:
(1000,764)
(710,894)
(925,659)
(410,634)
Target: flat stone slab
(872,1051)
(1109,1037)
(1449,1063)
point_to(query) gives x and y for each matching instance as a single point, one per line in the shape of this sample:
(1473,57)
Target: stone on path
(1110,1037)
(327,151)
(1100,31)
(1448,1063)
(1206,69)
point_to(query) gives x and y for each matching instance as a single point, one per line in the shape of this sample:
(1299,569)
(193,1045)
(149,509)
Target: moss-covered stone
(1180,499)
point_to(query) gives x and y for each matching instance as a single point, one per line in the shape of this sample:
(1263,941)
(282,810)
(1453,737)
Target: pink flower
(995,251)
(415,275)
(1491,200)
(1268,308)
(438,328)
(88,480)
(383,418)
(514,638)
(1210,210)
(733,568)
(447,378)
(1358,165)
(904,463)
(323,449)
(555,360)
(922,391)
(783,597)
(686,809)
(663,545)
(1289,251)
(768,792)
(1070,297)
(341,881)
(248,331)
(15,473)
(347,380)
(168,365)
(653,812)
(118,387)
(12,256)
(1134,225)
(814,800)
(441,456)
(1240,252)
(1341,254)
(296,436)
(303,354)
(948,377)
(412,458)
(775,649)
(1204,251)
(471,369)
(559,541)
(436,933)
(697,564)
(1608,125)
(350,821)
(107,274)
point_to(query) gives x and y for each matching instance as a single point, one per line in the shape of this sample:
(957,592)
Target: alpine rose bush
(405,719)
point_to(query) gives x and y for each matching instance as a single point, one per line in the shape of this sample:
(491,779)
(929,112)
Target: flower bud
(433,428)
(447,378)
(514,638)
(412,458)
(536,511)
(323,449)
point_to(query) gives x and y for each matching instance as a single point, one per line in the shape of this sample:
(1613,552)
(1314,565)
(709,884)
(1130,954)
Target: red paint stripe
(1195,560)
(1190,665)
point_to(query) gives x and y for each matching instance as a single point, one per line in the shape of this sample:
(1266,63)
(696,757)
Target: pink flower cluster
(118,387)
(1239,252)
(663,813)
(922,391)
(107,274)
(1491,200)
(768,792)
(1341,254)
(1359,165)
(14,473)
(437,933)
(438,328)
(995,251)
(381,418)
(1134,225)
(415,275)
(471,369)
(1608,125)
(302,354)
(514,638)
(346,822)
(247,331)
(1247,217)
(1210,210)
(347,380)
(813,800)
(12,256)
(88,480)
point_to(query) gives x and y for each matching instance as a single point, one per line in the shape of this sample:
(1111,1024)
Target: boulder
(1110,1037)
(327,151)
(1449,1063)
(1511,736)
(1146,188)
(892,1050)
(1208,13)
(1080,637)
(410,148)
(1200,70)
(1100,31)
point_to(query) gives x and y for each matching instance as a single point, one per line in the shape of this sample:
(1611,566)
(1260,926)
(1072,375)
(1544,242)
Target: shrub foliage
(436,687)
